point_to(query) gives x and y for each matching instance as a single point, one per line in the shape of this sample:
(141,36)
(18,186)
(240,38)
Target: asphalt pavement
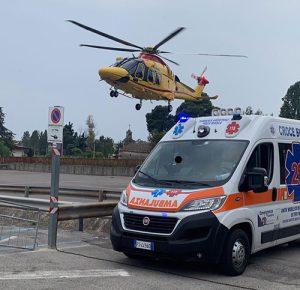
(14,177)
(86,260)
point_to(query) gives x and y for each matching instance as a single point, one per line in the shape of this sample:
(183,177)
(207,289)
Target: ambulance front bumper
(196,237)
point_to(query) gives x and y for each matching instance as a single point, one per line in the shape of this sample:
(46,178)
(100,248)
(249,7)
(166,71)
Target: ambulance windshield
(191,163)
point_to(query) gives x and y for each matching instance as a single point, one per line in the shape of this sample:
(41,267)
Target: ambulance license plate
(143,245)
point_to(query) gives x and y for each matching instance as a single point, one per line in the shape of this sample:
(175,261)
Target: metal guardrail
(100,194)
(41,204)
(86,210)
(66,210)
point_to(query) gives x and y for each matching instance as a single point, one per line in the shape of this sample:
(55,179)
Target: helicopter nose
(113,73)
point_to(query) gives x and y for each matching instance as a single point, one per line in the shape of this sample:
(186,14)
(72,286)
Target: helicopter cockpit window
(120,62)
(157,78)
(150,76)
(140,71)
(130,66)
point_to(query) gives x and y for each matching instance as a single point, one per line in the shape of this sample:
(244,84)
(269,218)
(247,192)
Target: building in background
(20,151)
(132,149)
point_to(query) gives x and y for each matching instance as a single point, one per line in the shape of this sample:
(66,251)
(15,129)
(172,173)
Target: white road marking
(71,274)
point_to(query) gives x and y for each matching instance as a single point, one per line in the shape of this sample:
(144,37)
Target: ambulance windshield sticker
(178,130)
(292,165)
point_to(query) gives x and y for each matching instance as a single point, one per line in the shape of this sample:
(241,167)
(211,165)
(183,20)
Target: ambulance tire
(236,253)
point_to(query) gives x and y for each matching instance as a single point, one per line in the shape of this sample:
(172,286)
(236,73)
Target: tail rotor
(202,81)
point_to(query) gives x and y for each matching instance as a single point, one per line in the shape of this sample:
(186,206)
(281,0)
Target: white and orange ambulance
(214,189)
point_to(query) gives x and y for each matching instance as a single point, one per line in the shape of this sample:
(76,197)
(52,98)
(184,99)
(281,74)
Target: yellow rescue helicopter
(148,77)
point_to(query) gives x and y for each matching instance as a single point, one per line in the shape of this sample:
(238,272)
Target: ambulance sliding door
(289,159)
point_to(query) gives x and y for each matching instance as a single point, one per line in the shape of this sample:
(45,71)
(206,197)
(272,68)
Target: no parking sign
(55,124)
(56,116)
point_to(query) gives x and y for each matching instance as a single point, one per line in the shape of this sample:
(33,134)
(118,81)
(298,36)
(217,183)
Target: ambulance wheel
(236,253)
(138,107)
(170,108)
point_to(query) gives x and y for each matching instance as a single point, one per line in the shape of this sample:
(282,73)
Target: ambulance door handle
(274,194)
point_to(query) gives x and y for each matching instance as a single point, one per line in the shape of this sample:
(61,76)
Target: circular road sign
(55,116)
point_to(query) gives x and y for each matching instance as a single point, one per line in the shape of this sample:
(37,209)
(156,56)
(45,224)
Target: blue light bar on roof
(183,118)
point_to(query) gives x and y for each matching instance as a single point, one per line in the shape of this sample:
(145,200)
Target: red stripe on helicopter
(160,90)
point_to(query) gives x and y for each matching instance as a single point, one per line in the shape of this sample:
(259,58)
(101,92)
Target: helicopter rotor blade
(163,51)
(104,34)
(170,36)
(204,54)
(203,72)
(172,61)
(222,55)
(110,48)
(208,54)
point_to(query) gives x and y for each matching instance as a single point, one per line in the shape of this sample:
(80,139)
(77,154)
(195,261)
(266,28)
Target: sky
(42,65)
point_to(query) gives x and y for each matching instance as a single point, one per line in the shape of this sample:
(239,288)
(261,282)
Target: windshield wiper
(155,179)
(187,182)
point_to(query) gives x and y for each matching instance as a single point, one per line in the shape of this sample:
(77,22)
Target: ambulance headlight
(124,199)
(212,203)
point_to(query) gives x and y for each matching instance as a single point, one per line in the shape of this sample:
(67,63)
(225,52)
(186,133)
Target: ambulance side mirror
(256,179)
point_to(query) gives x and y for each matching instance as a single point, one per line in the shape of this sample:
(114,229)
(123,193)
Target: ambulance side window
(283,148)
(263,156)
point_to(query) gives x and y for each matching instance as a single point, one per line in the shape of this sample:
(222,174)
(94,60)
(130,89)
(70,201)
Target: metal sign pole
(55,137)
(53,211)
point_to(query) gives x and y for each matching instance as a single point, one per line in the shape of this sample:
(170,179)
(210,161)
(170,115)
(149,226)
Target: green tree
(70,140)
(104,145)
(160,119)
(6,136)
(35,142)
(117,147)
(76,152)
(291,103)
(43,143)
(4,150)
(195,109)
(155,136)
(82,142)
(26,139)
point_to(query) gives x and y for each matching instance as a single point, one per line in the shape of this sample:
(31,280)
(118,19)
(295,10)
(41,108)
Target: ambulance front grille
(157,224)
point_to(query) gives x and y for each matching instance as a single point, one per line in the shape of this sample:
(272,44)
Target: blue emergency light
(183,118)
